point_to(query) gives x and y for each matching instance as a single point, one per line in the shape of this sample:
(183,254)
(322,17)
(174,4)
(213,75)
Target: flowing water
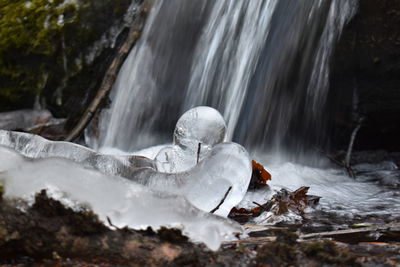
(264,65)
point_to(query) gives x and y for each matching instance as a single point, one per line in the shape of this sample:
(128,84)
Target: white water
(341,195)
(263,64)
(226,56)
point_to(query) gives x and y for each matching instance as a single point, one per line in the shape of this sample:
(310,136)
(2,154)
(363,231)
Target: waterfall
(263,64)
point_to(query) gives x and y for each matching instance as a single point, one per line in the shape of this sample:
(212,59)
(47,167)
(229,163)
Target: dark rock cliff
(365,77)
(57,51)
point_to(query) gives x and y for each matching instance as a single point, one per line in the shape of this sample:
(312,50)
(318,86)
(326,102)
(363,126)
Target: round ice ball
(203,125)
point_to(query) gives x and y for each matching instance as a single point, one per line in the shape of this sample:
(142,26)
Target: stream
(265,66)
(253,75)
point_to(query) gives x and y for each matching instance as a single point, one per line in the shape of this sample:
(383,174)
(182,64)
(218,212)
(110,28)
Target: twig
(198,152)
(111,224)
(110,77)
(351,144)
(266,207)
(251,241)
(391,230)
(258,204)
(222,200)
(341,164)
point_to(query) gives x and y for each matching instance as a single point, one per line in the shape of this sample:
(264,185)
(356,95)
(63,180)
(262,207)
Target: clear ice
(199,166)
(198,172)
(34,146)
(125,202)
(205,185)
(197,131)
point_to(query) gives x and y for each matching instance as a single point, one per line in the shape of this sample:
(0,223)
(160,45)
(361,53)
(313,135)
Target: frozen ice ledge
(128,189)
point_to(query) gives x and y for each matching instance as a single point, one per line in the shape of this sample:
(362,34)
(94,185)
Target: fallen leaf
(259,177)
(281,203)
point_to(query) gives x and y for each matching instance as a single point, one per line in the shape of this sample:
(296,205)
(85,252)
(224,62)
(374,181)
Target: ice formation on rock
(226,165)
(34,146)
(196,132)
(199,166)
(124,202)
(24,119)
(217,173)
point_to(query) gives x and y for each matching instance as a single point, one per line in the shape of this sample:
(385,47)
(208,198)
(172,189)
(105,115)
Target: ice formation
(211,175)
(124,202)
(34,146)
(199,166)
(196,132)
(205,185)
(25,119)
(226,165)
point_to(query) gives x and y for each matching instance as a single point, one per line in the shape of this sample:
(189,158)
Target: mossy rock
(47,49)
(326,251)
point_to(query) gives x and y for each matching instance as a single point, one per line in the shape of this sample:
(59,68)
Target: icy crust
(34,146)
(125,202)
(226,166)
(197,131)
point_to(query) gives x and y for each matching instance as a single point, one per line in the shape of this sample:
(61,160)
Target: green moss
(277,254)
(41,42)
(30,35)
(327,251)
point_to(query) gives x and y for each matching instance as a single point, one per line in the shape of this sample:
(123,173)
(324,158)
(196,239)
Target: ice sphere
(123,201)
(204,185)
(198,166)
(196,132)
(34,146)
(203,125)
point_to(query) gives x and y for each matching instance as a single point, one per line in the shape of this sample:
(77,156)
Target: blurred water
(372,197)
(348,199)
(263,64)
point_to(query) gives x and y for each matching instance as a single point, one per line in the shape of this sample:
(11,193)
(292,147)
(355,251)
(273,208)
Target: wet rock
(367,61)
(23,119)
(277,254)
(49,233)
(328,252)
(40,122)
(55,53)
